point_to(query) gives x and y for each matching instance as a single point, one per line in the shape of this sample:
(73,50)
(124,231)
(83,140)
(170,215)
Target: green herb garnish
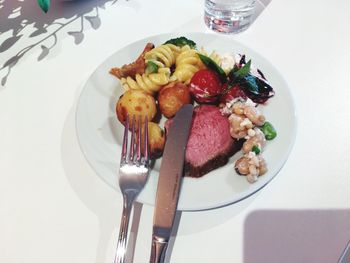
(243,77)
(241,72)
(211,64)
(256,149)
(269,131)
(181,41)
(151,67)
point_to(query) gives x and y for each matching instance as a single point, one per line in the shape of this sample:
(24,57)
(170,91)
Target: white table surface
(53,208)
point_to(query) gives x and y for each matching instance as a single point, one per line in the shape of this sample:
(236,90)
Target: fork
(133,174)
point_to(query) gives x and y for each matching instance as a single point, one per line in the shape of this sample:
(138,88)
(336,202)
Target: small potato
(156,139)
(136,103)
(172,97)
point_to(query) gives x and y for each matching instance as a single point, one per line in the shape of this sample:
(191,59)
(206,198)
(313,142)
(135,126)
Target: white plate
(100,133)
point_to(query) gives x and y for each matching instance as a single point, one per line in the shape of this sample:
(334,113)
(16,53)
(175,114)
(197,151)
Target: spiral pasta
(163,55)
(187,63)
(150,83)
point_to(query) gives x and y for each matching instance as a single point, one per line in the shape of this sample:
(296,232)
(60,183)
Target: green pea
(269,131)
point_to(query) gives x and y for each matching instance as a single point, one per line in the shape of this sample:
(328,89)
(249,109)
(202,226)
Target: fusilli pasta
(163,55)
(150,83)
(187,63)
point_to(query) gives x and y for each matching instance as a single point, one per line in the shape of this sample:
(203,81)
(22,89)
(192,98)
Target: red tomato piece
(205,86)
(232,93)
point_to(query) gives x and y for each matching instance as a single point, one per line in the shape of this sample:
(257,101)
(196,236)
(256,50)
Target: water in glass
(228,16)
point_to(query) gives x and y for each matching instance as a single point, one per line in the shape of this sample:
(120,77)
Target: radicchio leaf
(255,87)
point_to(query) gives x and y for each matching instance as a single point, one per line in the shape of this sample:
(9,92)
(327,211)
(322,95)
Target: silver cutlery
(133,174)
(169,182)
(345,257)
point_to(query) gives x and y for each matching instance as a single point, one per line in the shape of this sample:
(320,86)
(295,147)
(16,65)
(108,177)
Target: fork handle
(158,250)
(128,200)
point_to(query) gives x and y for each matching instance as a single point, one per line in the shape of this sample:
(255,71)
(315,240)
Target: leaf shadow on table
(21,20)
(291,236)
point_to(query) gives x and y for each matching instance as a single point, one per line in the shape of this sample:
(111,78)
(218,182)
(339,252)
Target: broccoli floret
(181,41)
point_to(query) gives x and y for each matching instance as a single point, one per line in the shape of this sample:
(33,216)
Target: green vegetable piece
(181,41)
(211,64)
(151,67)
(269,131)
(44,5)
(256,149)
(243,71)
(239,73)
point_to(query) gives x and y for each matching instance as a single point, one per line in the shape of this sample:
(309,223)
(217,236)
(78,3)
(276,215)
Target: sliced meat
(137,67)
(210,144)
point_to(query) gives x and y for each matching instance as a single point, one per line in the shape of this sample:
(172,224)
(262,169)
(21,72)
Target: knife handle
(159,246)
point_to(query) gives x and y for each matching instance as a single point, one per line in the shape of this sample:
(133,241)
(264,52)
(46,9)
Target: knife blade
(345,257)
(170,174)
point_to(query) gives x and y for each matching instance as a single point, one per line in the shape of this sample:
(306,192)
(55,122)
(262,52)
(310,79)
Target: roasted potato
(136,103)
(156,139)
(172,97)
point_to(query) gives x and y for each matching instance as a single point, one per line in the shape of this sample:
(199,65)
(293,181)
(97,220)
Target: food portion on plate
(226,90)
(210,144)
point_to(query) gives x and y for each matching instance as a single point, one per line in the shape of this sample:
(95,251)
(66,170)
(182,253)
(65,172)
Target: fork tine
(131,181)
(132,142)
(146,154)
(125,140)
(139,143)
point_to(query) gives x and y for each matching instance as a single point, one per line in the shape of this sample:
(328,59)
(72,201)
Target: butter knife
(169,181)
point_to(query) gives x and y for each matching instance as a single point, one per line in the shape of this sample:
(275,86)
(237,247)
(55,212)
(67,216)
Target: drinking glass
(228,16)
